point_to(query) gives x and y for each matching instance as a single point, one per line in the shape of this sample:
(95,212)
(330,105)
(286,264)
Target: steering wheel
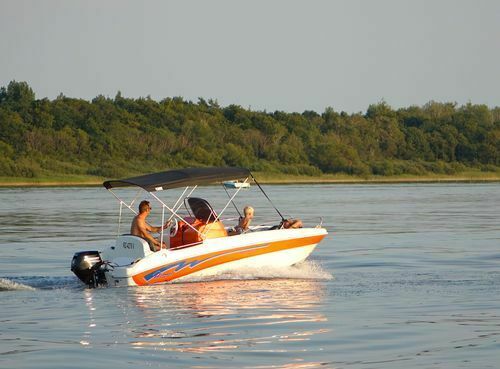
(174,227)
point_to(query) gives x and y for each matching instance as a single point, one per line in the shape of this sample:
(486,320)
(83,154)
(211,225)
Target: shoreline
(280,179)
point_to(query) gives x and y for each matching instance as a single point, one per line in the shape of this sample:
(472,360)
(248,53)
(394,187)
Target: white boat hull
(276,248)
(276,259)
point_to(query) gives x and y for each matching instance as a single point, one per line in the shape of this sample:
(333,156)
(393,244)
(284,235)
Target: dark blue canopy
(180,178)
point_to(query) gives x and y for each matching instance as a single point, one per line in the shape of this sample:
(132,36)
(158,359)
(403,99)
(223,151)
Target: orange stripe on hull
(184,267)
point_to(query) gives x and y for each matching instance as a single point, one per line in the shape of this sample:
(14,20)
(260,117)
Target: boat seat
(132,246)
(210,230)
(142,238)
(188,236)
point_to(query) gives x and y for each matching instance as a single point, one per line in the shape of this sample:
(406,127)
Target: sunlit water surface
(408,277)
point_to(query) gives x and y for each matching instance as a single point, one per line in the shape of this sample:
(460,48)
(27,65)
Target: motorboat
(198,243)
(236,184)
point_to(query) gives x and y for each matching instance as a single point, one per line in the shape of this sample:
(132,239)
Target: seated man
(141,228)
(244,222)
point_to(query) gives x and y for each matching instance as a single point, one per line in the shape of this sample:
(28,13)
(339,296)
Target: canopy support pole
(177,205)
(228,195)
(162,225)
(174,213)
(180,197)
(136,196)
(225,207)
(124,203)
(121,207)
(267,197)
(120,219)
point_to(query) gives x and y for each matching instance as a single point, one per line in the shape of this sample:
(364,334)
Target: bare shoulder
(140,221)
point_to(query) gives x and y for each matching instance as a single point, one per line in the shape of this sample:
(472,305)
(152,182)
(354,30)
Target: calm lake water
(408,277)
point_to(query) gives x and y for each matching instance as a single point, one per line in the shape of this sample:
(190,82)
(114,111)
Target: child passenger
(244,222)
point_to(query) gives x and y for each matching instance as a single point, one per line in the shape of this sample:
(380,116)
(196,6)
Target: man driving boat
(141,228)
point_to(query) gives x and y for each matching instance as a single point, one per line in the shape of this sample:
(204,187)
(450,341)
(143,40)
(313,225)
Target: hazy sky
(273,55)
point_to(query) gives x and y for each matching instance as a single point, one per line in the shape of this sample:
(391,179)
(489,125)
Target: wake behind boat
(198,244)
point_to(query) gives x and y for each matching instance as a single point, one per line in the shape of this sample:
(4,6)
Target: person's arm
(150,228)
(145,228)
(158,229)
(245,222)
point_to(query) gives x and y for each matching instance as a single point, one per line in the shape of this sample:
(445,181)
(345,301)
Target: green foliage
(17,95)
(123,136)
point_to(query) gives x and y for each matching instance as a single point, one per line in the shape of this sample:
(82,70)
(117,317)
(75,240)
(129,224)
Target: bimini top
(180,178)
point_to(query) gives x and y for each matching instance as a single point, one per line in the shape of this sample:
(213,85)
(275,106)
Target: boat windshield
(201,209)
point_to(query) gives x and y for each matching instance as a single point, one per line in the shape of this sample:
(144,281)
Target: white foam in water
(37,282)
(305,270)
(8,285)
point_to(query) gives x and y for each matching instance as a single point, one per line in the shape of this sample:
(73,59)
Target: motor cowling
(89,268)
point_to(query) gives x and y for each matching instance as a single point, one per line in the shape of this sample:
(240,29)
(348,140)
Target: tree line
(114,137)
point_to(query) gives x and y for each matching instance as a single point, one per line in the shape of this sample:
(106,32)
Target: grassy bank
(272,178)
(67,180)
(469,176)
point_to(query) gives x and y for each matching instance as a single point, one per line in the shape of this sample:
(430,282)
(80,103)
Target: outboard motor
(88,267)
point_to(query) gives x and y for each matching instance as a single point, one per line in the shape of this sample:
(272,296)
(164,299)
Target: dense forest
(113,137)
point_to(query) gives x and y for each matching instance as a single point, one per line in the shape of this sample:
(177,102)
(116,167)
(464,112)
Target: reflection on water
(254,316)
(225,297)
